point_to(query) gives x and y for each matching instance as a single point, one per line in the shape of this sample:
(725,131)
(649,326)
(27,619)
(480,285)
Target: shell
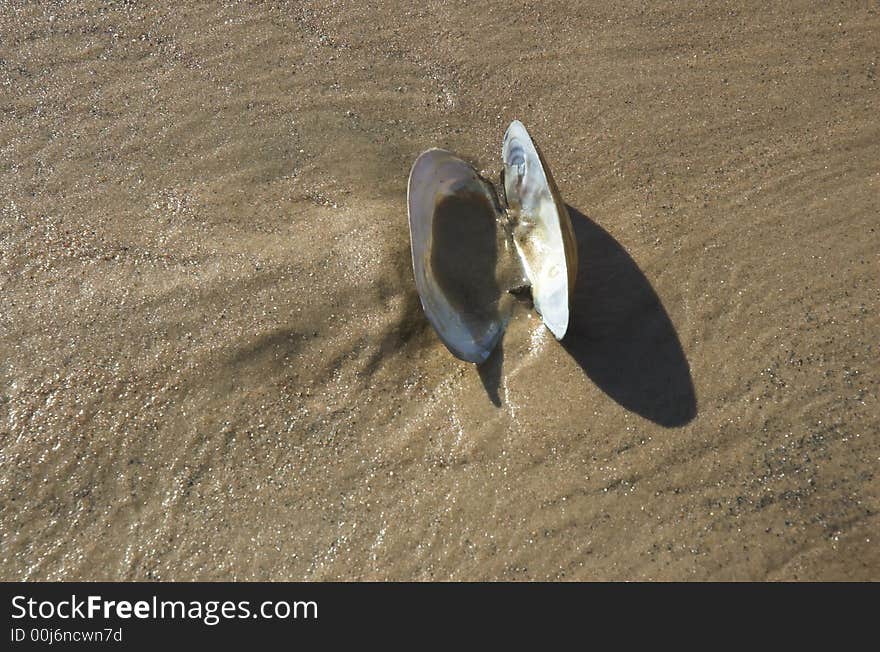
(456,240)
(468,253)
(542,232)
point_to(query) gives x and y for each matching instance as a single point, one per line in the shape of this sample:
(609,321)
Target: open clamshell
(470,250)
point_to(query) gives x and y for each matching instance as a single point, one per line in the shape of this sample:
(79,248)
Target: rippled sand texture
(214,365)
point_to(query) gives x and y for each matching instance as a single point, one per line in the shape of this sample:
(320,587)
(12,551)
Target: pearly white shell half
(542,230)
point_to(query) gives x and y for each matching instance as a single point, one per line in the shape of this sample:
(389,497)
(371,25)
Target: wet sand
(214,365)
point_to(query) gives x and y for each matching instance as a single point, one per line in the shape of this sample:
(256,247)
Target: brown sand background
(213,363)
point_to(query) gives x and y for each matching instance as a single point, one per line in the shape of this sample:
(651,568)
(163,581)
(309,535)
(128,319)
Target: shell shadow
(490,373)
(620,335)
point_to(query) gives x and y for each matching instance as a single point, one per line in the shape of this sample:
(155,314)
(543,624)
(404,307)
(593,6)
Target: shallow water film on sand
(214,363)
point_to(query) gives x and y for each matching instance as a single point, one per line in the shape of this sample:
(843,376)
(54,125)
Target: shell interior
(457,241)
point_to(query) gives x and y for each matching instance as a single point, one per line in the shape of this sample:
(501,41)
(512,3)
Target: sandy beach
(213,360)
